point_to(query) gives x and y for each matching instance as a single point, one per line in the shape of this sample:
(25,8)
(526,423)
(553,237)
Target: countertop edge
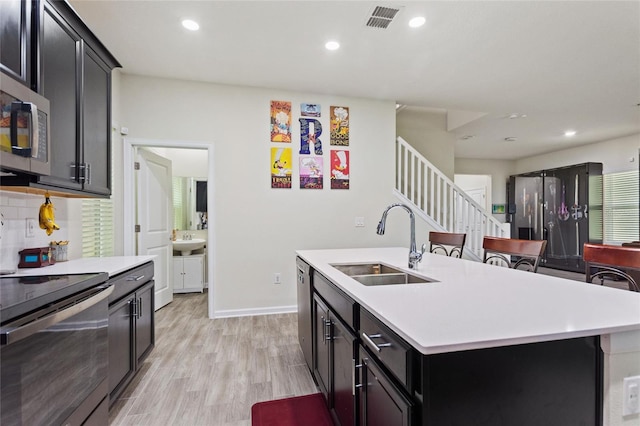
(321,264)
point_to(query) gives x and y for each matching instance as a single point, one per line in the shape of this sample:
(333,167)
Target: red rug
(306,410)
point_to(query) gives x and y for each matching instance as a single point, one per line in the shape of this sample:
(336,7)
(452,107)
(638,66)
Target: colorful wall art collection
(310,155)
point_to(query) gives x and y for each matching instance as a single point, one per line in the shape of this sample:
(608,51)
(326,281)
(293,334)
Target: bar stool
(529,252)
(439,241)
(612,261)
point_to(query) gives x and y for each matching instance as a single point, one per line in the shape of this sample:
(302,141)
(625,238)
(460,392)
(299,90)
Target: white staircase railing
(441,203)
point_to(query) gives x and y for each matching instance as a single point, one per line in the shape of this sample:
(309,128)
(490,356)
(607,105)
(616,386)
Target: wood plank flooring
(210,372)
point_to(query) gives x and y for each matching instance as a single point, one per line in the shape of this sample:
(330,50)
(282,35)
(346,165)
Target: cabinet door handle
(376,347)
(140,308)
(133,308)
(135,277)
(354,366)
(326,334)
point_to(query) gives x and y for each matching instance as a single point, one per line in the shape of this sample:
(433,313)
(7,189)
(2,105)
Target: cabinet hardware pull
(327,330)
(376,347)
(353,376)
(324,327)
(135,277)
(133,303)
(140,308)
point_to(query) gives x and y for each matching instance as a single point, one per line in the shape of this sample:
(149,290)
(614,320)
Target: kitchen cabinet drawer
(340,303)
(393,352)
(129,281)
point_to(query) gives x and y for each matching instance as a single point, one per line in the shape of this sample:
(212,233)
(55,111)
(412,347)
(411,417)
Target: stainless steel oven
(54,350)
(24,129)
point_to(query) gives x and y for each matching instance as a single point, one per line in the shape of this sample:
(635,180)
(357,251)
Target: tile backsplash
(16,208)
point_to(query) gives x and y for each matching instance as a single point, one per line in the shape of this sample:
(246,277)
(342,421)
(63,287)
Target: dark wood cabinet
(334,358)
(15,39)
(131,326)
(96,113)
(70,67)
(322,325)
(77,82)
(382,403)
(59,82)
(344,343)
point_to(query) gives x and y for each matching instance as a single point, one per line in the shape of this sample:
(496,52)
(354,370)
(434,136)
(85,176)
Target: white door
(154,201)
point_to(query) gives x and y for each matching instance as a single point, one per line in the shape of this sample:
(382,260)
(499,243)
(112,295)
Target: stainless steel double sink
(371,274)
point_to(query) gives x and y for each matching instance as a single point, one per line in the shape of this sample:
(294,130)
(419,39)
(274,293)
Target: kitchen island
(482,344)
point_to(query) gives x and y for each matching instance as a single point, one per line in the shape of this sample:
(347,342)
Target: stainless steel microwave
(25,142)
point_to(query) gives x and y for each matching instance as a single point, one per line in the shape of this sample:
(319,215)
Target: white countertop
(473,305)
(112,265)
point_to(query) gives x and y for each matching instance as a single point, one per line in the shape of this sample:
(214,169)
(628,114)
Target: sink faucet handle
(423,249)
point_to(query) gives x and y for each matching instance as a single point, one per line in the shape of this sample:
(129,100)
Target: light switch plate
(631,395)
(359,222)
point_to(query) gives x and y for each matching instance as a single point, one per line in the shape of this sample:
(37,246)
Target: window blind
(97,227)
(620,207)
(178,203)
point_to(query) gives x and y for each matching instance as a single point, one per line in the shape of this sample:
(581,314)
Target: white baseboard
(255,311)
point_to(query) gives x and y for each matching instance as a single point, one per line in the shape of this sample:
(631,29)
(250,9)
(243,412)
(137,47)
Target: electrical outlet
(631,395)
(359,222)
(276,278)
(30,230)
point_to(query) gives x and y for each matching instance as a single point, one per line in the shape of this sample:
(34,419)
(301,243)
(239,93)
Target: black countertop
(20,295)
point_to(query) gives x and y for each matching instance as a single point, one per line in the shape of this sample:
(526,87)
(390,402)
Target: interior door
(155,217)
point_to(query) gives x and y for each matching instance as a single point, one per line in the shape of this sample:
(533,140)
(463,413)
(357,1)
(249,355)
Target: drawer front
(340,303)
(392,351)
(129,281)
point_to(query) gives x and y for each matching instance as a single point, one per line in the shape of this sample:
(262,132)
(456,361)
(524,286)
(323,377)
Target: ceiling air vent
(381,17)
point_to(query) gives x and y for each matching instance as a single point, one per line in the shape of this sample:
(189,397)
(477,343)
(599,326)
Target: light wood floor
(210,372)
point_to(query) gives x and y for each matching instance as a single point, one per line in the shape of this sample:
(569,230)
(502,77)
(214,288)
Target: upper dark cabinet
(72,69)
(59,77)
(15,39)
(76,78)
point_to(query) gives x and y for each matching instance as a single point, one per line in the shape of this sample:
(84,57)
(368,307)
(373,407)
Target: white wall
(615,156)
(426,130)
(257,229)
(17,207)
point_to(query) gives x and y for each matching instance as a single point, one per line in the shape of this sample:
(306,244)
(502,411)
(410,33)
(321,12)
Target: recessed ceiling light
(515,115)
(570,133)
(332,45)
(416,22)
(190,25)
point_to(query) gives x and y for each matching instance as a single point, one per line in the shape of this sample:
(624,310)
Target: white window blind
(97,227)
(178,203)
(620,207)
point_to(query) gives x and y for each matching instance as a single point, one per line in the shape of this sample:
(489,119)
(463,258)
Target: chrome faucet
(414,255)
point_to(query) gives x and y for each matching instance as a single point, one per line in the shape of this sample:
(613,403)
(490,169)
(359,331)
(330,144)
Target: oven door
(54,362)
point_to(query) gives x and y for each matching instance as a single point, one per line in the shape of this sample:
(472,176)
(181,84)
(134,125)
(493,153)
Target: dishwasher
(305,327)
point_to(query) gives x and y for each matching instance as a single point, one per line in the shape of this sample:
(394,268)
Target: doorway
(130,201)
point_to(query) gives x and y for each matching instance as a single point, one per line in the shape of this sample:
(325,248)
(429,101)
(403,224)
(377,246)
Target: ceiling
(563,64)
